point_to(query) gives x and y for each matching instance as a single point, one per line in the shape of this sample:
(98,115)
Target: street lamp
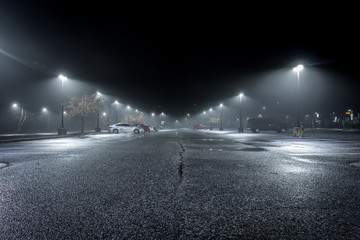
(62,130)
(116,111)
(221,116)
(97,129)
(23,115)
(162,122)
(128,108)
(204,113)
(45,111)
(297,70)
(210,110)
(241,129)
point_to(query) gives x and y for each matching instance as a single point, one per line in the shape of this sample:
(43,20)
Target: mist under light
(129,67)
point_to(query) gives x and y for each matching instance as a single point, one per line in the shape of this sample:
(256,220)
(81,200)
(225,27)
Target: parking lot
(182,184)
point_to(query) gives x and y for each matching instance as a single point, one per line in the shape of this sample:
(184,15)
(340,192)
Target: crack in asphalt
(181,162)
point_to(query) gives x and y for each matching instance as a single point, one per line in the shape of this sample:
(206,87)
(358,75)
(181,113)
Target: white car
(125,128)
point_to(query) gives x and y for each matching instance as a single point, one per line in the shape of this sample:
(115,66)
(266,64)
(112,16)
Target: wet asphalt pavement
(182,184)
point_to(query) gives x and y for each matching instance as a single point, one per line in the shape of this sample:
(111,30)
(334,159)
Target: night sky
(178,59)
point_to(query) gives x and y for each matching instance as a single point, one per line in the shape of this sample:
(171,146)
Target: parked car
(146,128)
(125,128)
(199,126)
(266,124)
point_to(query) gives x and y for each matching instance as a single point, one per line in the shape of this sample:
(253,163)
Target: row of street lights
(63,131)
(240,129)
(297,69)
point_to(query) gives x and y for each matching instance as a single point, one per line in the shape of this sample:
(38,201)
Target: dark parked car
(197,126)
(266,124)
(146,128)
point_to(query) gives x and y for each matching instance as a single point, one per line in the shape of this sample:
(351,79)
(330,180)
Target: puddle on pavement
(254,149)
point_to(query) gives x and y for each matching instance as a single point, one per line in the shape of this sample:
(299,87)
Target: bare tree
(83,106)
(24,114)
(134,118)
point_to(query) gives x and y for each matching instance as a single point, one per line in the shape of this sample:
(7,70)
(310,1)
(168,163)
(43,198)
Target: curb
(33,138)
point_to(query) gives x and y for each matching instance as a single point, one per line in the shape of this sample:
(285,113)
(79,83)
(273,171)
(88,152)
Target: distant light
(14,105)
(162,113)
(221,104)
(152,114)
(44,110)
(128,107)
(62,78)
(210,109)
(241,94)
(116,102)
(65,112)
(104,114)
(298,68)
(204,112)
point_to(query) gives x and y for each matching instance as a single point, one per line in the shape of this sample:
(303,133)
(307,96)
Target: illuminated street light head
(44,110)
(221,104)
(210,109)
(14,105)
(128,107)
(298,68)
(62,78)
(152,114)
(241,94)
(116,102)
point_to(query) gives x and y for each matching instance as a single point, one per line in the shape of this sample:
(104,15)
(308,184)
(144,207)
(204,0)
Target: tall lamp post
(221,117)
(62,130)
(128,117)
(116,111)
(241,129)
(45,111)
(210,110)
(97,129)
(297,70)
(204,113)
